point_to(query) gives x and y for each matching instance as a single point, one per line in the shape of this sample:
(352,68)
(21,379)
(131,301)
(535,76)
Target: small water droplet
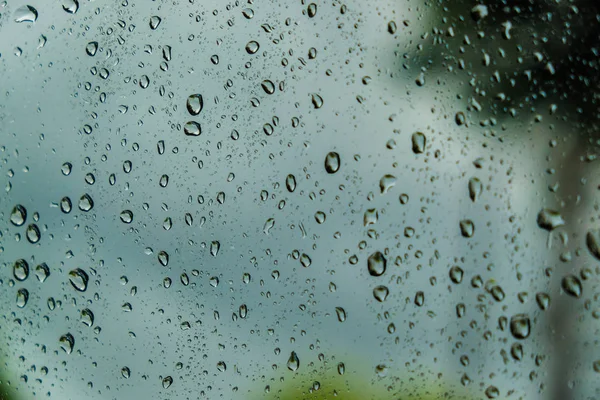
(376,264)
(269,223)
(392,27)
(268,86)
(456,274)
(125,372)
(543,301)
(66,168)
(214,248)
(475,189)
(592,240)
(33,233)
(163,258)
(79,279)
(65,205)
(87,317)
(305,260)
(320,217)
(42,272)
(317,101)
(332,162)
(290,183)
(386,183)
(492,392)
(312,10)
(419,299)
(221,366)
(167,382)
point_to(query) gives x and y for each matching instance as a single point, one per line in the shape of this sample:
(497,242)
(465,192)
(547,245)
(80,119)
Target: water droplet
(459,118)
(87,317)
(320,217)
(386,183)
(341,314)
(91,48)
(497,293)
(248,13)
(192,128)
(65,205)
(492,392)
(516,351)
(312,10)
(332,162)
(293,362)
(592,240)
(70,6)
(26,14)
(572,285)
(21,270)
(290,183)
(419,141)
(268,86)
(126,216)
(66,168)
(317,101)
(42,272)
(214,248)
(33,233)
(549,219)
(214,281)
(456,274)
(305,260)
(67,342)
(86,203)
(18,215)
(381,293)
(167,382)
(475,189)
(22,297)
(520,326)
(596,366)
(155,21)
(543,301)
(195,104)
(341,368)
(127,307)
(479,12)
(467,228)
(125,372)
(270,223)
(376,264)
(419,299)
(252,47)
(221,366)
(163,258)
(392,27)
(79,279)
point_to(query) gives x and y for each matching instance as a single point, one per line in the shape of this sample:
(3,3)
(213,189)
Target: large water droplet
(87,317)
(67,342)
(268,86)
(467,228)
(332,162)
(79,279)
(419,141)
(317,100)
(65,205)
(520,326)
(214,248)
(70,6)
(192,128)
(456,274)
(543,301)
(293,362)
(91,48)
(572,285)
(18,215)
(126,216)
(86,203)
(419,299)
(592,240)
(42,272)
(386,183)
(290,183)
(195,104)
(155,21)
(21,270)
(516,351)
(163,258)
(341,314)
(376,264)
(252,47)
(475,188)
(549,219)
(381,293)
(305,260)
(33,233)
(167,382)
(26,14)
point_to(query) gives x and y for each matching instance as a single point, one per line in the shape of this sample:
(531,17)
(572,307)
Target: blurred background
(299,200)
